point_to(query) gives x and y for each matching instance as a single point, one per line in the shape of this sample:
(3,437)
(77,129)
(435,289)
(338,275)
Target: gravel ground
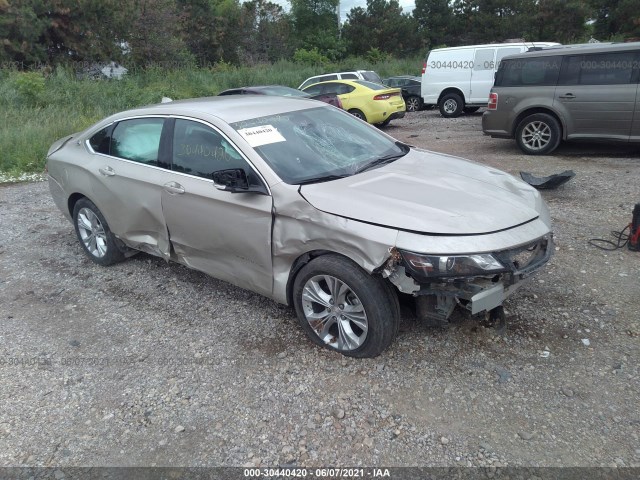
(148,363)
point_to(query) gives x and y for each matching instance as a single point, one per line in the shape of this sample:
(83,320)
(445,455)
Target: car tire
(468,110)
(413,103)
(538,134)
(451,105)
(92,230)
(358,114)
(343,308)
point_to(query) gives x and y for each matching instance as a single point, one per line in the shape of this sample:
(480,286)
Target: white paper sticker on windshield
(262,135)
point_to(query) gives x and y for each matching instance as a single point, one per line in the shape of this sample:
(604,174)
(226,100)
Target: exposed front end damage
(439,287)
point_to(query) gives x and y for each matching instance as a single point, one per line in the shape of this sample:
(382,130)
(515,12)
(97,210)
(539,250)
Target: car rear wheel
(342,307)
(538,134)
(451,105)
(358,114)
(97,240)
(413,103)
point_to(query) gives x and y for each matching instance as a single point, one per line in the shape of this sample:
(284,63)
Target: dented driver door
(226,235)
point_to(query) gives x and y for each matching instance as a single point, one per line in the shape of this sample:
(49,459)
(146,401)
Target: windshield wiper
(323,178)
(384,159)
(379,161)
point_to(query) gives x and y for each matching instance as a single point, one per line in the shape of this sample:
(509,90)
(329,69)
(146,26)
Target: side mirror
(235,180)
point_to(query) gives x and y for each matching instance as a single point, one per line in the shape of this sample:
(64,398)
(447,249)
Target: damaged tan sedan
(303,203)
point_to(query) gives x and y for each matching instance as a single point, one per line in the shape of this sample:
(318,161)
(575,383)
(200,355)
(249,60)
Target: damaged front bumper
(438,292)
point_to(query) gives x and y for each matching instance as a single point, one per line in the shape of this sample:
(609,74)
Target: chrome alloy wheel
(92,233)
(413,104)
(450,106)
(536,135)
(334,312)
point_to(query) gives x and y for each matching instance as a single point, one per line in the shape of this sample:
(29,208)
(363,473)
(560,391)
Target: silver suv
(586,92)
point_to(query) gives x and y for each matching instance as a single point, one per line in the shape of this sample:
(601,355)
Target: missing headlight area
(476,282)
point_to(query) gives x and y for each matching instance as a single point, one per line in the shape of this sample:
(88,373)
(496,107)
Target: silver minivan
(585,92)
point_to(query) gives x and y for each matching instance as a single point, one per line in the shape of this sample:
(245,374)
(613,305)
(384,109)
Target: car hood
(432,193)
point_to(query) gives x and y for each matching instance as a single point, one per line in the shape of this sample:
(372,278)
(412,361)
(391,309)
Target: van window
(483,59)
(503,52)
(521,72)
(598,69)
(349,76)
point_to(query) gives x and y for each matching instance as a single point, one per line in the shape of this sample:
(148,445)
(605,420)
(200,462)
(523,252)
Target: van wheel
(538,134)
(451,105)
(471,109)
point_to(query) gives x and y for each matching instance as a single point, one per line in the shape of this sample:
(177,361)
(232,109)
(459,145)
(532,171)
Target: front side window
(316,143)
(137,140)
(199,150)
(522,72)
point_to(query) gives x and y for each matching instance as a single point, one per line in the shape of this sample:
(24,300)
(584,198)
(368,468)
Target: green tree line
(207,32)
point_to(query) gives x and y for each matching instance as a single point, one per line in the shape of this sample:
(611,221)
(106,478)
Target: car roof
(578,48)
(232,108)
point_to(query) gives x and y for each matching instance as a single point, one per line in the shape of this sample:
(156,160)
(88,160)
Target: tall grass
(34,113)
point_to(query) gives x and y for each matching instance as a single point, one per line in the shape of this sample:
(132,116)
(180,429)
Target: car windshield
(318,144)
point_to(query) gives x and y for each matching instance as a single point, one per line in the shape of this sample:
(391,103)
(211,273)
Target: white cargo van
(458,79)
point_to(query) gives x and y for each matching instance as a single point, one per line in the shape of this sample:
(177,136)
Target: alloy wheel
(92,233)
(334,312)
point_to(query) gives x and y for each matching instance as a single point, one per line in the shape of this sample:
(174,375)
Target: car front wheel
(413,104)
(342,307)
(93,232)
(538,134)
(451,105)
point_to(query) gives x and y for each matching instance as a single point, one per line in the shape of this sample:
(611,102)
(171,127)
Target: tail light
(386,96)
(424,68)
(493,101)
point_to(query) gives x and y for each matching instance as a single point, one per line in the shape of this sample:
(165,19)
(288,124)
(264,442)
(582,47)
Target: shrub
(30,86)
(309,57)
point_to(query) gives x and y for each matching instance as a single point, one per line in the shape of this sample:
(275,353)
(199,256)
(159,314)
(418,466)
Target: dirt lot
(146,363)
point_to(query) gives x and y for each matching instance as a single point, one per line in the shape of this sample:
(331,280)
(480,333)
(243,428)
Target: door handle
(174,187)
(107,171)
(568,96)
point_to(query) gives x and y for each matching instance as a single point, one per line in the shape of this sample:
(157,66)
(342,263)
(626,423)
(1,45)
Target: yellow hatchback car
(369,101)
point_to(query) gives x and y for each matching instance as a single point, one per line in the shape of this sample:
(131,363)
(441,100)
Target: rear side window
(336,88)
(100,142)
(523,72)
(599,69)
(137,140)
